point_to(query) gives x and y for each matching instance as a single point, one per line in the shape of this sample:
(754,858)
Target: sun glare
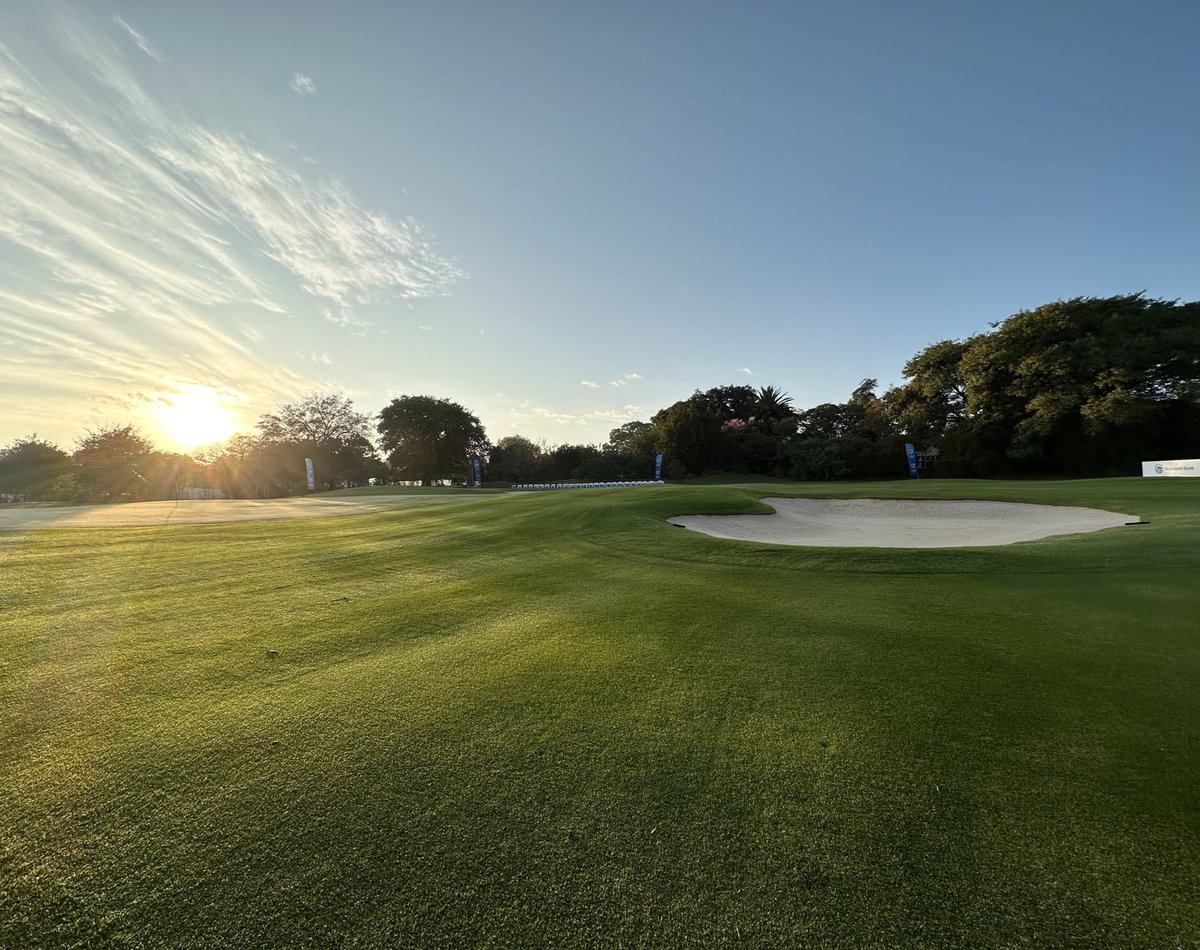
(194,416)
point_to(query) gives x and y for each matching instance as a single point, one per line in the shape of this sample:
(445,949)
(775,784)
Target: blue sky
(562,215)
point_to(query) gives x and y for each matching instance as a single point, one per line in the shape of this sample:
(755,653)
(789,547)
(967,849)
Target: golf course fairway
(554,719)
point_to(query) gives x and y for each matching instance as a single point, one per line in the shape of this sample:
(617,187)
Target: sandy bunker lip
(894,523)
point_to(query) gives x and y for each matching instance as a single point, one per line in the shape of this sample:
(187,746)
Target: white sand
(878,523)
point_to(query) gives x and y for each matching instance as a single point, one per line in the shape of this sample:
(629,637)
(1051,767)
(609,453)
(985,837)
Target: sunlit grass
(556,720)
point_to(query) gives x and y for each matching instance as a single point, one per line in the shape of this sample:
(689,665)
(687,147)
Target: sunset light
(532,474)
(196,415)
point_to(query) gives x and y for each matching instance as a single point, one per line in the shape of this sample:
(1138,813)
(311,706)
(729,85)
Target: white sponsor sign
(308,470)
(1186,468)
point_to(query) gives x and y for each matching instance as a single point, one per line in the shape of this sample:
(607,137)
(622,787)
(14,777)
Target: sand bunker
(879,523)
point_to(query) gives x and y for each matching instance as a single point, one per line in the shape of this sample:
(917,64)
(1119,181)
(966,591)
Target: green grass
(556,720)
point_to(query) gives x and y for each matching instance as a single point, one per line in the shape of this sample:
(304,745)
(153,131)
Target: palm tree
(772,405)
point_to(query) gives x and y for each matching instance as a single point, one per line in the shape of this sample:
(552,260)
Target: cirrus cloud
(141,247)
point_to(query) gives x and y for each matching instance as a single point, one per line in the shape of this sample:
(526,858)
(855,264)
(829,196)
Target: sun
(195,415)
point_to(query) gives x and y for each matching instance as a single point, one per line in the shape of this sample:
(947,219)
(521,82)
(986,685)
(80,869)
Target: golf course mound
(892,523)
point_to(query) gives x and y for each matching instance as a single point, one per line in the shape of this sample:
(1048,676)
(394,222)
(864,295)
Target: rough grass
(556,720)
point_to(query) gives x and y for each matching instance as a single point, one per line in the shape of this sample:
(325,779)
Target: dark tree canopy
(636,438)
(427,438)
(31,467)
(322,418)
(856,438)
(934,399)
(691,435)
(322,426)
(1074,387)
(1095,359)
(110,461)
(1088,385)
(516,459)
(772,406)
(727,402)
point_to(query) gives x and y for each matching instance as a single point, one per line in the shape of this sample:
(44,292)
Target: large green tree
(326,428)
(1089,385)
(250,466)
(427,438)
(634,438)
(690,435)
(32,467)
(853,439)
(726,428)
(319,418)
(934,399)
(567,460)
(1085,386)
(113,463)
(515,458)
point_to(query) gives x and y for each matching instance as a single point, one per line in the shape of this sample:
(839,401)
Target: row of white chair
(539,486)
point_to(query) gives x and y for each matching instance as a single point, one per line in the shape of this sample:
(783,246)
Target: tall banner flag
(478,472)
(658,467)
(312,479)
(911,452)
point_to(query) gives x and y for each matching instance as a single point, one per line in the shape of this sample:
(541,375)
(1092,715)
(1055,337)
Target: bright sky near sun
(562,215)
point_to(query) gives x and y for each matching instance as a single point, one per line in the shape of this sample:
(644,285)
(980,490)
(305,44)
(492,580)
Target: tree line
(1088,386)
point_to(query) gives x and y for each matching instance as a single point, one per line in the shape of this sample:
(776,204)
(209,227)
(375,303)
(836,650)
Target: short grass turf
(556,720)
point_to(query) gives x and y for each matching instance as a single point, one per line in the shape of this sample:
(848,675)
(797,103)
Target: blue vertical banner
(478,472)
(312,478)
(658,467)
(911,452)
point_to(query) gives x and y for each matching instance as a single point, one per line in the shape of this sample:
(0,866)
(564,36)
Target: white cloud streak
(337,249)
(526,413)
(303,85)
(138,249)
(140,41)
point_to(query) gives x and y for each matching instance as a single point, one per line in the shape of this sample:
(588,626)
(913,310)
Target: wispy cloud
(526,413)
(615,415)
(303,84)
(556,417)
(140,249)
(747,370)
(625,379)
(343,318)
(337,249)
(140,41)
(589,384)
